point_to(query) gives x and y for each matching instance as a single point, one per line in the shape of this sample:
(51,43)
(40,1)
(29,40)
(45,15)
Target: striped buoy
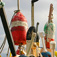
(19,28)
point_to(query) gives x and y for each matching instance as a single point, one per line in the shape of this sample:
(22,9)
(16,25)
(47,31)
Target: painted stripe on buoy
(19,23)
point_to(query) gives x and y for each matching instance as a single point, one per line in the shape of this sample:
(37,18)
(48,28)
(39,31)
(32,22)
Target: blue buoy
(46,54)
(22,56)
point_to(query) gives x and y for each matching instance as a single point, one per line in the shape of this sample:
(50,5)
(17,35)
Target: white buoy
(52,47)
(42,37)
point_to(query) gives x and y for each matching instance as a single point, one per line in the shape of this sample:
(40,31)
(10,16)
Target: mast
(32,11)
(7,31)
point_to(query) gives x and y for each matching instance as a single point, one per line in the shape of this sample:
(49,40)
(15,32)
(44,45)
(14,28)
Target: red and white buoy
(19,28)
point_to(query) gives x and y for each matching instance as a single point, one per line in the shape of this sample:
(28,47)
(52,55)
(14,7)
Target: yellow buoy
(10,54)
(56,53)
(0,55)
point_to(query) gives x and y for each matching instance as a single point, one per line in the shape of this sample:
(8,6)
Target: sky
(41,12)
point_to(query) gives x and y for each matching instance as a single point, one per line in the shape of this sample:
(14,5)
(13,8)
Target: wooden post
(18,4)
(32,13)
(0,0)
(37,35)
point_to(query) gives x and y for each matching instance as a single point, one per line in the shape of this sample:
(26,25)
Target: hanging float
(19,28)
(49,28)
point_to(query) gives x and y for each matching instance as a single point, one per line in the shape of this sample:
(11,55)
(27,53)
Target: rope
(7,52)
(3,44)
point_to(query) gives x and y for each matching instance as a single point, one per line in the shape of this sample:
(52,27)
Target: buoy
(56,53)
(19,28)
(22,56)
(29,35)
(49,33)
(49,28)
(46,54)
(31,56)
(29,32)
